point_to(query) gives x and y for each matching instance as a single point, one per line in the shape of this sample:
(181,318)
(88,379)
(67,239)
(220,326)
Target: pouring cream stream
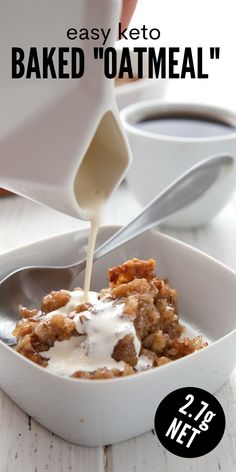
(100,172)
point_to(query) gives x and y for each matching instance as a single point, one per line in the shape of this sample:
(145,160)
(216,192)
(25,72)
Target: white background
(201,23)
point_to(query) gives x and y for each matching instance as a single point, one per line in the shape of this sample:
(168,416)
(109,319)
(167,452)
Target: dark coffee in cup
(184,125)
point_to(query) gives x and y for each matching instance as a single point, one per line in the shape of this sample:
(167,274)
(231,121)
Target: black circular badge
(189,422)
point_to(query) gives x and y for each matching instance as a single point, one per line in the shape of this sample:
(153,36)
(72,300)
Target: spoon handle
(182,192)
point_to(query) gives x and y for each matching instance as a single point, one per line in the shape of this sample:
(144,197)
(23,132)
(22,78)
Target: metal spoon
(28,285)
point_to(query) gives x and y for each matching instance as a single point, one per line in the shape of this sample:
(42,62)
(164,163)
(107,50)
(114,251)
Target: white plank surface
(26,446)
(145,453)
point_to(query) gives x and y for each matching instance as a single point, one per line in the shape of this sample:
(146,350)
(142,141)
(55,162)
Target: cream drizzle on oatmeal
(100,328)
(76,297)
(143,363)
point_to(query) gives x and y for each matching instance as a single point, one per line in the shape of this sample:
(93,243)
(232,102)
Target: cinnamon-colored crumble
(149,302)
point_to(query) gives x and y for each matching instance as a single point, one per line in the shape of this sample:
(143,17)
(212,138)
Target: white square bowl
(100,412)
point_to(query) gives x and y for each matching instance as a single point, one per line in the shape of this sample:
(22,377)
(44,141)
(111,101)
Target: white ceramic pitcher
(61,140)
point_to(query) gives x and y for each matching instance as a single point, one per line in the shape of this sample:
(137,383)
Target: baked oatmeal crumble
(148,302)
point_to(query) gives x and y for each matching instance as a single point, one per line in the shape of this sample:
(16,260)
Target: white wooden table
(25,446)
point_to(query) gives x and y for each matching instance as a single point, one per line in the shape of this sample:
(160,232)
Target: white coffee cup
(158,159)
